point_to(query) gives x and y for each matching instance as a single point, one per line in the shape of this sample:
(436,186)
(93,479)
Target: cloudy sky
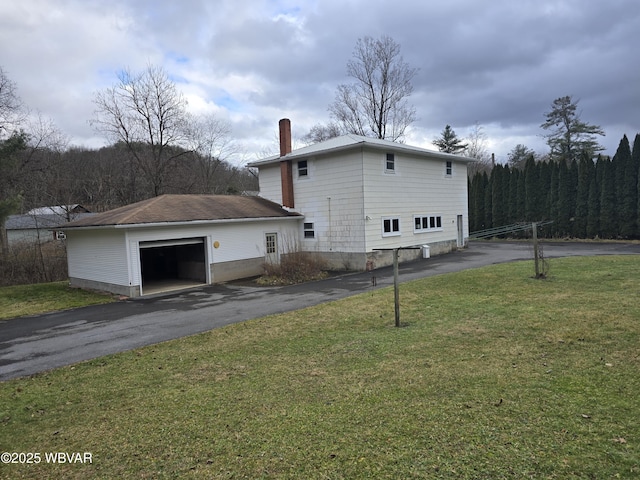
(499,64)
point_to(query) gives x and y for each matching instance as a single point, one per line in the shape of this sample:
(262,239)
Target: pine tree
(569,135)
(448,142)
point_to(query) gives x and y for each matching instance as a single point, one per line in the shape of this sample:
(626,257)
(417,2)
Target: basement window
(390,226)
(309,231)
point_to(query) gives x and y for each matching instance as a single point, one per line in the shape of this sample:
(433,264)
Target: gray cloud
(499,63)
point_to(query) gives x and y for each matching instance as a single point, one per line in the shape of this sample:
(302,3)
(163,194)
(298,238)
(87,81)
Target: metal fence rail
(498,231)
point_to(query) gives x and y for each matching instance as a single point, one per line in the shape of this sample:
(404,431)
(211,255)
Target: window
(427,223)
(303,170)
(271,243)
(309,232)
(449,168)
(390,164)
(390,226)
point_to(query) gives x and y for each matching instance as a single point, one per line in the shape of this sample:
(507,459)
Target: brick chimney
(286,166)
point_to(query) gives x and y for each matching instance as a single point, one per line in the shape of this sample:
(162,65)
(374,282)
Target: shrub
(30,262)
(294,267)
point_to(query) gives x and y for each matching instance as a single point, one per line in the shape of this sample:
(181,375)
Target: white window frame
(448,168)
(304,169)
(428,220)
(392,232)
(308,227)
(390,158)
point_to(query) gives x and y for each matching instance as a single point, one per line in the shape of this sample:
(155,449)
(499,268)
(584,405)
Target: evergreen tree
(586,173)
(564,200)
(569,135)
(593,218)
(521,197)
(635,160)
(488,220)
(608,222)
(554,198)
(513,204)
(483,181)
(498,196)
(531,190)
(626,189)
(544,173)
(448,142)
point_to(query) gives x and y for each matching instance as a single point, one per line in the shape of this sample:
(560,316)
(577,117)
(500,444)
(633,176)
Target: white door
(271,248)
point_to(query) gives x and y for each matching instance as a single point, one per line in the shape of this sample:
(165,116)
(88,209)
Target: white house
(38,224)
(347,199)
(359,195)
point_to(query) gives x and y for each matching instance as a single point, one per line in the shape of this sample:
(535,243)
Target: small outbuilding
(175,241)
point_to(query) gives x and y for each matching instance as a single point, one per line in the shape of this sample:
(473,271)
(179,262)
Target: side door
(271,248)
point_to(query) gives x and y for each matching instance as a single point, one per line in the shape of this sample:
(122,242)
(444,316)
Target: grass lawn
(45,297)
(494,375)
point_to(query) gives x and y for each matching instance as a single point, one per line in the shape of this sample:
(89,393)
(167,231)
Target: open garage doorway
(172,264)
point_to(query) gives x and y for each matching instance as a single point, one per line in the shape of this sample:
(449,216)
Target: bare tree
(147,113)
(320,133)
(213,146)
(376,104)
(12,111)
(477,144)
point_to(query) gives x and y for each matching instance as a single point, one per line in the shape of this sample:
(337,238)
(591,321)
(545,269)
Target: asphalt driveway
(34,344)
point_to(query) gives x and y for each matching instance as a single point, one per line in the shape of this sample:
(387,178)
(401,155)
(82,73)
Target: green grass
(494,375)
(22,300)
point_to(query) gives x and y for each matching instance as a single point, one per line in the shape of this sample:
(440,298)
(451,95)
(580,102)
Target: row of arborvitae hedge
(586,198)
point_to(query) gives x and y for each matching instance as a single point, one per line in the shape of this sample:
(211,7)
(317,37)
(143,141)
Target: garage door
(175,259)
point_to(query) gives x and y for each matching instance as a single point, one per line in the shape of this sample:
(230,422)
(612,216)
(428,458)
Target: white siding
(269,181)
(98,255)
(330,197)
(236,241)
(418,186)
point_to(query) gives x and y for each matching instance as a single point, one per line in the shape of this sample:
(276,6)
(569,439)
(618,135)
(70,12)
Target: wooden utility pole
(396,289)
(396,282)
(536,250)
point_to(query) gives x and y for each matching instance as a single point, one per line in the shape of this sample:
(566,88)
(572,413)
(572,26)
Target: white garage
(175,241)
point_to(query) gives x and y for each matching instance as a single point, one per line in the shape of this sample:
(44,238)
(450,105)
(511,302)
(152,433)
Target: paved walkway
(34,344)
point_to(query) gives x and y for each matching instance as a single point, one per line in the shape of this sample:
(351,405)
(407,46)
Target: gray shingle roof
(350,141)
(186,208)
(28,222)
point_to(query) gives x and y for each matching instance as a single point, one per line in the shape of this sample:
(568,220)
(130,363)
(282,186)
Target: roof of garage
(186,208)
